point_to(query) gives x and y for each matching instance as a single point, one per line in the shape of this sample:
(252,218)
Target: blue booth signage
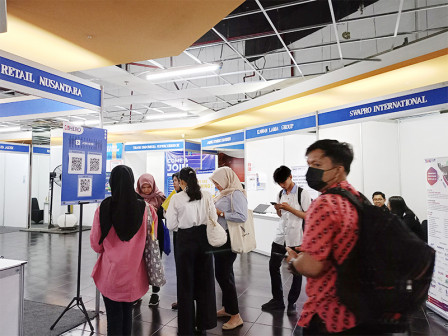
(282,127)
(401,103)
(8,147)
(41,150)
(223,140)
(31,77)
(84,153)
(172,145)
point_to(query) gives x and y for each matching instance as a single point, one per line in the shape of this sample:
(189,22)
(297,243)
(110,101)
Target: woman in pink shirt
(118,235)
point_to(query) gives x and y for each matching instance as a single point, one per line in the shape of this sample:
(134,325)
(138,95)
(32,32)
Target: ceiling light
(182,71)
(81,118)
(167,116)
(10,129)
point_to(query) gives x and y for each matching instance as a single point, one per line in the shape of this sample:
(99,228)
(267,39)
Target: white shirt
(289,229)
(183,214)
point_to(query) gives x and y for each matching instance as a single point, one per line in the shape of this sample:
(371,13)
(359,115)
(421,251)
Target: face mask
(314,178)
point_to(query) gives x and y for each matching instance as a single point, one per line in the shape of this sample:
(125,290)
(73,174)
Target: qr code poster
(85,186)
(94,163)
(76,164)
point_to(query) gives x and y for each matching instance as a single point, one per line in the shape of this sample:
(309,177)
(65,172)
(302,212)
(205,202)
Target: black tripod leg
(65,310)
(84,311)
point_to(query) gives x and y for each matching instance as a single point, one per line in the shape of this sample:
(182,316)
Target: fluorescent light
(182,71)
(10,129)
(167,116)
(160,66)
(81,118)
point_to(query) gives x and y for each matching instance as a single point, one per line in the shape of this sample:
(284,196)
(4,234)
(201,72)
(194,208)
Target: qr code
(76,163)
(94,163)
(84,186)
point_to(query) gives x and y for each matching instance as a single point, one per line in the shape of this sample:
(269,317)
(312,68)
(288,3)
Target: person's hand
(283,206)
(218,212)
(292,254)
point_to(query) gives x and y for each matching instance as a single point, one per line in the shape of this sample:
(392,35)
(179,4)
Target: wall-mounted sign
(223,140)
(282,127)
(397,104)
(41,150)
(28,76)
(8,147)
(172,145)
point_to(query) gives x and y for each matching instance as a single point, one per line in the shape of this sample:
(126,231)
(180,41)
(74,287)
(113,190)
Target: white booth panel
(263,156)
(2,187)
(381,158)
(265,229)
(295,146)
(40,178)
(420,138)
(352,134)
(137,162)
(16,189)
(155,165)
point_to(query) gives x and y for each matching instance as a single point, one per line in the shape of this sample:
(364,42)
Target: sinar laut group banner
(437,196)
(174,162)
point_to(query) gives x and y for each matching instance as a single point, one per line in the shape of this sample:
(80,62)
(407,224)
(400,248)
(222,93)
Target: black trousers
(224,259)
(195,281)
(119,317)
(275,262)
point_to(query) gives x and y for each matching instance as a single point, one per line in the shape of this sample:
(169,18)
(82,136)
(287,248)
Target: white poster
(299,177)
(437,196)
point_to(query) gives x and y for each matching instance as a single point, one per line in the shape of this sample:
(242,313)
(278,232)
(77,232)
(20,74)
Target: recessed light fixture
(182,71)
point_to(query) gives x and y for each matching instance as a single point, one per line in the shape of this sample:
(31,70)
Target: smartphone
(273,203)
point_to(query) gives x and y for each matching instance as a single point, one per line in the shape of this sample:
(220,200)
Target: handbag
(216,235)
(242,235)
(153,260)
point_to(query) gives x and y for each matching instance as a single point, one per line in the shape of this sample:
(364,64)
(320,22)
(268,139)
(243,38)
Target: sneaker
(154,300)
(174,306)
(292,309)
(273,304)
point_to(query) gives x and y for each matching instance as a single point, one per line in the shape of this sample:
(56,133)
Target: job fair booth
(24,169)
(399,144)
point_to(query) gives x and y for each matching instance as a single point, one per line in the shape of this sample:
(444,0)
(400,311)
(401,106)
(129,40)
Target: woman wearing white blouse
(231,205)
(188,212)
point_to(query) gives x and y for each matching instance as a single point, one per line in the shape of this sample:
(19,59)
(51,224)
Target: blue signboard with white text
(175,161)
(84,154)
(9,147)
(223,140)
(171,145)
(282,127)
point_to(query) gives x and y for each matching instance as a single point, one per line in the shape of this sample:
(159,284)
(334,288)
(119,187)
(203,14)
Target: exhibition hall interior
(88,86)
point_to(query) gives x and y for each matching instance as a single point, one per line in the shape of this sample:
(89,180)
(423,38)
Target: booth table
(265,226)
(11,294)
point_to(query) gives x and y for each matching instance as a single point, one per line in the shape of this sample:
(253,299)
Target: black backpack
(388,272)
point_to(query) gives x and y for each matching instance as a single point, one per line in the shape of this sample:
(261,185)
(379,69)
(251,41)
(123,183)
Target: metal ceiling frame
(335,28)
(291,56)
(400,8)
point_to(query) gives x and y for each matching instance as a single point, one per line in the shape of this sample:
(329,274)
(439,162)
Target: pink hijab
(156,197)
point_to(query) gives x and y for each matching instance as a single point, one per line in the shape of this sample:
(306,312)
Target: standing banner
(174,162)
(84,153)
(205,182)
(437,196)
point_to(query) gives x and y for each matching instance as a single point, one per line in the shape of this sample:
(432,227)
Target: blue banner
(174,162)
(28,76)
(386,106)
(115,151)
(14,148)
(34,106)
(222,140)
(41,150)
(282,127)
(172,145)
(84,153)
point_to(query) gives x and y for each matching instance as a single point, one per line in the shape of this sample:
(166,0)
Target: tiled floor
(50,277)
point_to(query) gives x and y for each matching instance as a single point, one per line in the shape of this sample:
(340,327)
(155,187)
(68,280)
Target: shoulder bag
(153,261)
(216,235)
(242,235)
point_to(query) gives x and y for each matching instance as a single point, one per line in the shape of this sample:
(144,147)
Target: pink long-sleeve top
(120,271)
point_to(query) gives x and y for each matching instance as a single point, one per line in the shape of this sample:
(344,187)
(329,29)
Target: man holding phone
(292,204)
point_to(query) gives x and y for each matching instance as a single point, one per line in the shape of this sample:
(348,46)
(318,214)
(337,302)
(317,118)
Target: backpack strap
(349,196)
(299,196)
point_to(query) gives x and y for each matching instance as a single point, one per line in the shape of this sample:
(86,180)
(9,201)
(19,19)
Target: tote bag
(242,235)
(153,261)
(216,235)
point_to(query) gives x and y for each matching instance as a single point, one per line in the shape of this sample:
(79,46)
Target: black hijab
(124,209)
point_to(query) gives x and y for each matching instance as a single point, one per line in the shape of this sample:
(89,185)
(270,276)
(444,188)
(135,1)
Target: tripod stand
(77,300)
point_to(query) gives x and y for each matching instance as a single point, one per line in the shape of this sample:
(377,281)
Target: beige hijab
(228,180)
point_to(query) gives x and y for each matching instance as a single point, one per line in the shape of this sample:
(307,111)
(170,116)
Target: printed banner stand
(84,154)
(437,198)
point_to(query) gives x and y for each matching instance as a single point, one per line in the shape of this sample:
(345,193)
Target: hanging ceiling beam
(398,18)
(335,28)
(291,56)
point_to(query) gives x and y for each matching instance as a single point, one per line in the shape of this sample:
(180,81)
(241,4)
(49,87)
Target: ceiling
(262,48)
